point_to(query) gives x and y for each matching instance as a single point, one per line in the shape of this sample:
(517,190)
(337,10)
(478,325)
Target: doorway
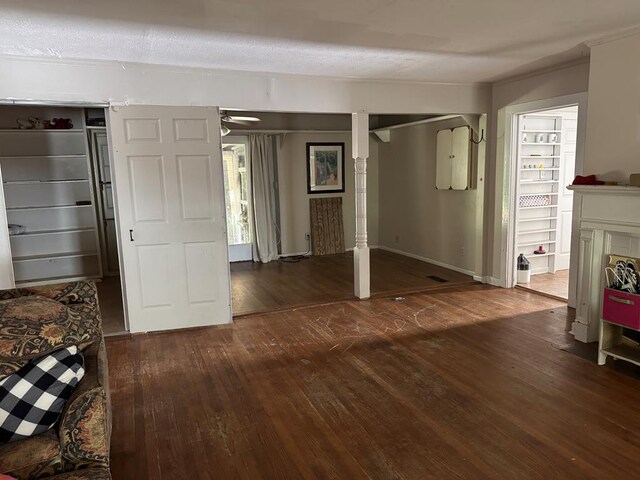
(237,178)
(545,164)
(56,189)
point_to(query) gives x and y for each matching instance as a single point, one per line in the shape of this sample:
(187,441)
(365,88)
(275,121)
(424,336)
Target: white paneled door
(170,208)
(565,196)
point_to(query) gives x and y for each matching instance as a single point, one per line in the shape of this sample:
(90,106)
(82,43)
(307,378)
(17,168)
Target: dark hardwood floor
(258,287)
(111,307)
(469,382)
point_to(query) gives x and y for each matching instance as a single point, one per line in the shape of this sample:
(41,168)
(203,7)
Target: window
(236,187)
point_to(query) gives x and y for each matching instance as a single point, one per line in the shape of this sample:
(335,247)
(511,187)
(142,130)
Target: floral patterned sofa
(78,448)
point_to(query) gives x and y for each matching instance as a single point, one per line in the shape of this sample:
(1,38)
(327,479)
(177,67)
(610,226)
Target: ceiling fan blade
(241,122)
(244,119)
(239,119)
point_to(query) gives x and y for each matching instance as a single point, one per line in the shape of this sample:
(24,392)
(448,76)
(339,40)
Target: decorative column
(360,145)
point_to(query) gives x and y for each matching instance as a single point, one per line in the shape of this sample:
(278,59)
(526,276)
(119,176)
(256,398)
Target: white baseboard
(489,280)
(350,249)
(371,247)
(428,260)
(303,254)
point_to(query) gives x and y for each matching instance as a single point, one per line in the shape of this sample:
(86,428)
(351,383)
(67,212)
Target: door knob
(131,234)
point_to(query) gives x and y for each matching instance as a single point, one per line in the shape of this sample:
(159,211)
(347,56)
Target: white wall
(559,82)
(294,200)
(134,83)
(613,122)
(416,218)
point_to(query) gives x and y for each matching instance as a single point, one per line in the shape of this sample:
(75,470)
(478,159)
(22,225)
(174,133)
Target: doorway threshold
(544,294)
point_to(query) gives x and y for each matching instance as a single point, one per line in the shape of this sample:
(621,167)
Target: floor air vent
(436,278)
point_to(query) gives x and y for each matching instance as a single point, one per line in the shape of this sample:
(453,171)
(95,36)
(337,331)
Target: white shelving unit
(538,181)
(48,190)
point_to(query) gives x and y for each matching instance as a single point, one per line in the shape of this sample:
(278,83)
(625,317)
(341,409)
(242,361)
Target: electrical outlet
(462,251)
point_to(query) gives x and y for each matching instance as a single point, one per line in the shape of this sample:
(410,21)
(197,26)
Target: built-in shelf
(540,143)
(535,194)
(538,206)
(534,244)
(45,157)
(541,115)
(545,159)
(34,182)
(62,278)
(538,219)
(536,169)
(41,130)
(541,131)
(49,232)
(50,191)
(49,206)
(57,255)
(527,232)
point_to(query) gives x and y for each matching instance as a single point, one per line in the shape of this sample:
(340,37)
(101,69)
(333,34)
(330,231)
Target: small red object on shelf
(587,180)
(540,251)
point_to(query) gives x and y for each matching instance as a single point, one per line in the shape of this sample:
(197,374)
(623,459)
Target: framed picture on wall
(325,167)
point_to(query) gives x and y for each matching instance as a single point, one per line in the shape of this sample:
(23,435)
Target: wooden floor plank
(258,287)
(464,382)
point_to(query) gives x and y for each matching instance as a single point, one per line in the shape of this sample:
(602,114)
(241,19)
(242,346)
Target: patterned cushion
(71,293)
(32,399)
(88,474)
(27,458)
(33,326)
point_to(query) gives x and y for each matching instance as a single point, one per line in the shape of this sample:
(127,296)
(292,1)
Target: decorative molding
(601,217)
(605,189)
(383,135)
(110,82)
(441,118)
(543,71)
(613,37)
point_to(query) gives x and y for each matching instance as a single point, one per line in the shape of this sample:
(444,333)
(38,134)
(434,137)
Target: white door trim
(240,253)
(506,177)
(116,216)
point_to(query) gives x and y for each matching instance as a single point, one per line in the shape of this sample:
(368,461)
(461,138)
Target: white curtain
(265,247)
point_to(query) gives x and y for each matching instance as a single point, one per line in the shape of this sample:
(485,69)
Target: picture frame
(325,167)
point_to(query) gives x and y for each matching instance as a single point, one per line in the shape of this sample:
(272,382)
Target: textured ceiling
(422,40)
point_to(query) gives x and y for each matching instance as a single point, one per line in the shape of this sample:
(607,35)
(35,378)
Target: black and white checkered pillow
(32,399)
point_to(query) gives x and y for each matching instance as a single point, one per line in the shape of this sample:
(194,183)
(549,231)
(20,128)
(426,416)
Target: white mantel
(608,219)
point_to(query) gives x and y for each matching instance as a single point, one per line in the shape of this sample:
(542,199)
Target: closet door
(443,159)
(460,158)
(170,208)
